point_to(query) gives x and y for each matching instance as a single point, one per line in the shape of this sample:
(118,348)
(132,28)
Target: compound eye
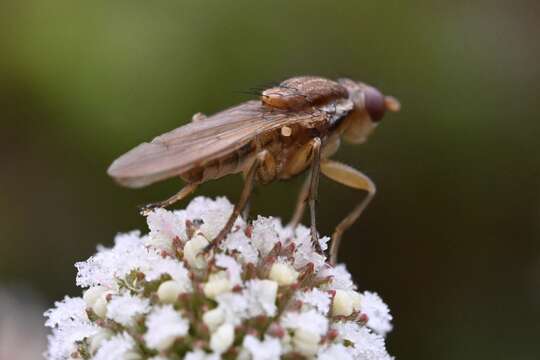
(374,103)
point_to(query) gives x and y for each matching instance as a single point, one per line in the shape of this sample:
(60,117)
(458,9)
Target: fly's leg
(309,153)
(245,212)
(300,204)
(313,191)
(185,191)
(260,160)
(348,176)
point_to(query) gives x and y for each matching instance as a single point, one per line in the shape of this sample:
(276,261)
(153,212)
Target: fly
(294,128)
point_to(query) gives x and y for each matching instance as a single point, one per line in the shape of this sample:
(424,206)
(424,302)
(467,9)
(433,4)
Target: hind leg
(348,176)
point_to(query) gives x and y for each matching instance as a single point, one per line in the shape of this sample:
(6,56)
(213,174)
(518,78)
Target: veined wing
(196,143)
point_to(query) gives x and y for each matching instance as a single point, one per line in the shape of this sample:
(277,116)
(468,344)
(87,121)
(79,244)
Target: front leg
(348,176)
(260,163)
(185,191)
(300,204)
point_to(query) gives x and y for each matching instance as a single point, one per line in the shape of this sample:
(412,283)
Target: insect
(293,128)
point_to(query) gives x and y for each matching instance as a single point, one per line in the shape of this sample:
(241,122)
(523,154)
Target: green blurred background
(451,241)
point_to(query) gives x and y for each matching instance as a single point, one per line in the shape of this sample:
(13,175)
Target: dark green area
(451,241)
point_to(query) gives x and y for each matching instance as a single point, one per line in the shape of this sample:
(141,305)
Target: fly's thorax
(304,91)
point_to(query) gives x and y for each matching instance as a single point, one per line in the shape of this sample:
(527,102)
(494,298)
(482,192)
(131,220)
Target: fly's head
(370,106)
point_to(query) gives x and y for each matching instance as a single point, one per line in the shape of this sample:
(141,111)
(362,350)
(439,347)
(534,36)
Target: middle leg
(313,192)
(309,153)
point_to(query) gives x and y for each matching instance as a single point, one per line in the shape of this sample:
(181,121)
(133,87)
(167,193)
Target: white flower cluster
(263,294)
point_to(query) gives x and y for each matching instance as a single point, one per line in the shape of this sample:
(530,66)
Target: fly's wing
(196,143)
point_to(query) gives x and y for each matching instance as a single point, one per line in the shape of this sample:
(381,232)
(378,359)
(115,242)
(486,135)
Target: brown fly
(294,127)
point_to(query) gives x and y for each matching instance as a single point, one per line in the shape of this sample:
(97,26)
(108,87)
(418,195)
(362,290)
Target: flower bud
(92,295)
(169,290)
(283,274)
(193,251)
(100,306)
(306,342)
(222,339)
(214,318)
(218,283)
(343,304)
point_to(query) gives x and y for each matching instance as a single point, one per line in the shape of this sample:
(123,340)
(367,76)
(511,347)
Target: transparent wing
(199,142)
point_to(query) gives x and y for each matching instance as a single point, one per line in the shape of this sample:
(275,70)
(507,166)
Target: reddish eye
(374,102)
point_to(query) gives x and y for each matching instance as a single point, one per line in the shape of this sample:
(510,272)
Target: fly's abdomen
(227,164)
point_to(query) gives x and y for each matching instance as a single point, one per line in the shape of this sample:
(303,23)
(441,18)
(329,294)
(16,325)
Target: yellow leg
(185,191)
(348,176)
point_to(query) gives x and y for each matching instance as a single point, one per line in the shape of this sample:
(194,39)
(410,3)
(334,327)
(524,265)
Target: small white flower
(110,264)
(265,234)
(268,349)
(305,252)
(335,351)
(318,299)
(218,283)
(169,290)
(309,320)
(167,266)
(239,242)
(379,318)
(70,324)
(367,345)
(283,274)
(193,251)
(261,295)
(164,227)
(124,308)
(341,278)
(165,325)
(66,312)
(120,346)
(222,338)
(342,304)
(235,307)
(213,213)
(233,268)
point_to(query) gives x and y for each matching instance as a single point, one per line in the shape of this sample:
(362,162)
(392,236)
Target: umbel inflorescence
(263,294)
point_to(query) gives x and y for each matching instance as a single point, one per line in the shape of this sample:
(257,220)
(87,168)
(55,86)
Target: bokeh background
(451,241)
